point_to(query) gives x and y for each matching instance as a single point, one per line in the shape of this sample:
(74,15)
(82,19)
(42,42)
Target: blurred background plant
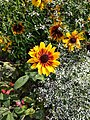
(24,94)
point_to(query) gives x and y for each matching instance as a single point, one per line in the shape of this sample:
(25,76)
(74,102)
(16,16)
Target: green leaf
(30,111)
(7,103)
(39,115)
(19,110)
(21,81)
(39,77)
(35,76)
(4,97)
(10,116)
(4,111)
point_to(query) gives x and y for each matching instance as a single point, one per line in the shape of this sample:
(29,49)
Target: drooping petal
(45,71)
(30,61)
(33,66)
(39,68)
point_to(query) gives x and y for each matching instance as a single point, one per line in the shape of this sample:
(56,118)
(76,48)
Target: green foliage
(26,95)
(21,81)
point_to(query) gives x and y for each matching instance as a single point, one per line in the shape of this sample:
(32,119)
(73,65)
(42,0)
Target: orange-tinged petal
(56,55)
(53,49)
(33,66)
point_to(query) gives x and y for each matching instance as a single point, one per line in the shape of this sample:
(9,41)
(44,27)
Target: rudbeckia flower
(40,3)
(44,58)
(36,2)
(55,32)
(18,28)
(73,40)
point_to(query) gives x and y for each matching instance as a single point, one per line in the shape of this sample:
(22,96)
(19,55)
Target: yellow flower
(7,46)
(36,2)
(5,43)
(40,3)
(1,40)
(44,58)
(18,28)
(73,40)
(89,18)
(55,32)
(42,6)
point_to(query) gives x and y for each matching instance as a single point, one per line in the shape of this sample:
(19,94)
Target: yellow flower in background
(5,44)
(42,6)
(1,40)
(55,32)
(73,40)
(89,18)
(40,3)
(44,58)
(36,2)
(18,28)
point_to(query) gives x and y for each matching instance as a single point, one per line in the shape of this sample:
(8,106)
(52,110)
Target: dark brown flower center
(56,31)
(72,40)
(44,58)
(17,28)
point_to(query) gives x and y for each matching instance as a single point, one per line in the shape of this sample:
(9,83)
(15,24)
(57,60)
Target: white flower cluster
(67,96)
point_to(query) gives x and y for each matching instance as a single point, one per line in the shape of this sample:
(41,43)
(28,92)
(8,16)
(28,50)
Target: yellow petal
(78,44)
(42,6)
(33,66)
(30,61)
(36,48)
(53,49)
(50,68)
(71,48)
(32,54)
(68,34)
(55,63)
(56,55)
(36,2)
(49,47)
(45,71)
(74,33)
(39,68)
(42,45)
(65,46)
(65,40)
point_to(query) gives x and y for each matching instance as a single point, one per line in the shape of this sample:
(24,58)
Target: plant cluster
(44,60)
